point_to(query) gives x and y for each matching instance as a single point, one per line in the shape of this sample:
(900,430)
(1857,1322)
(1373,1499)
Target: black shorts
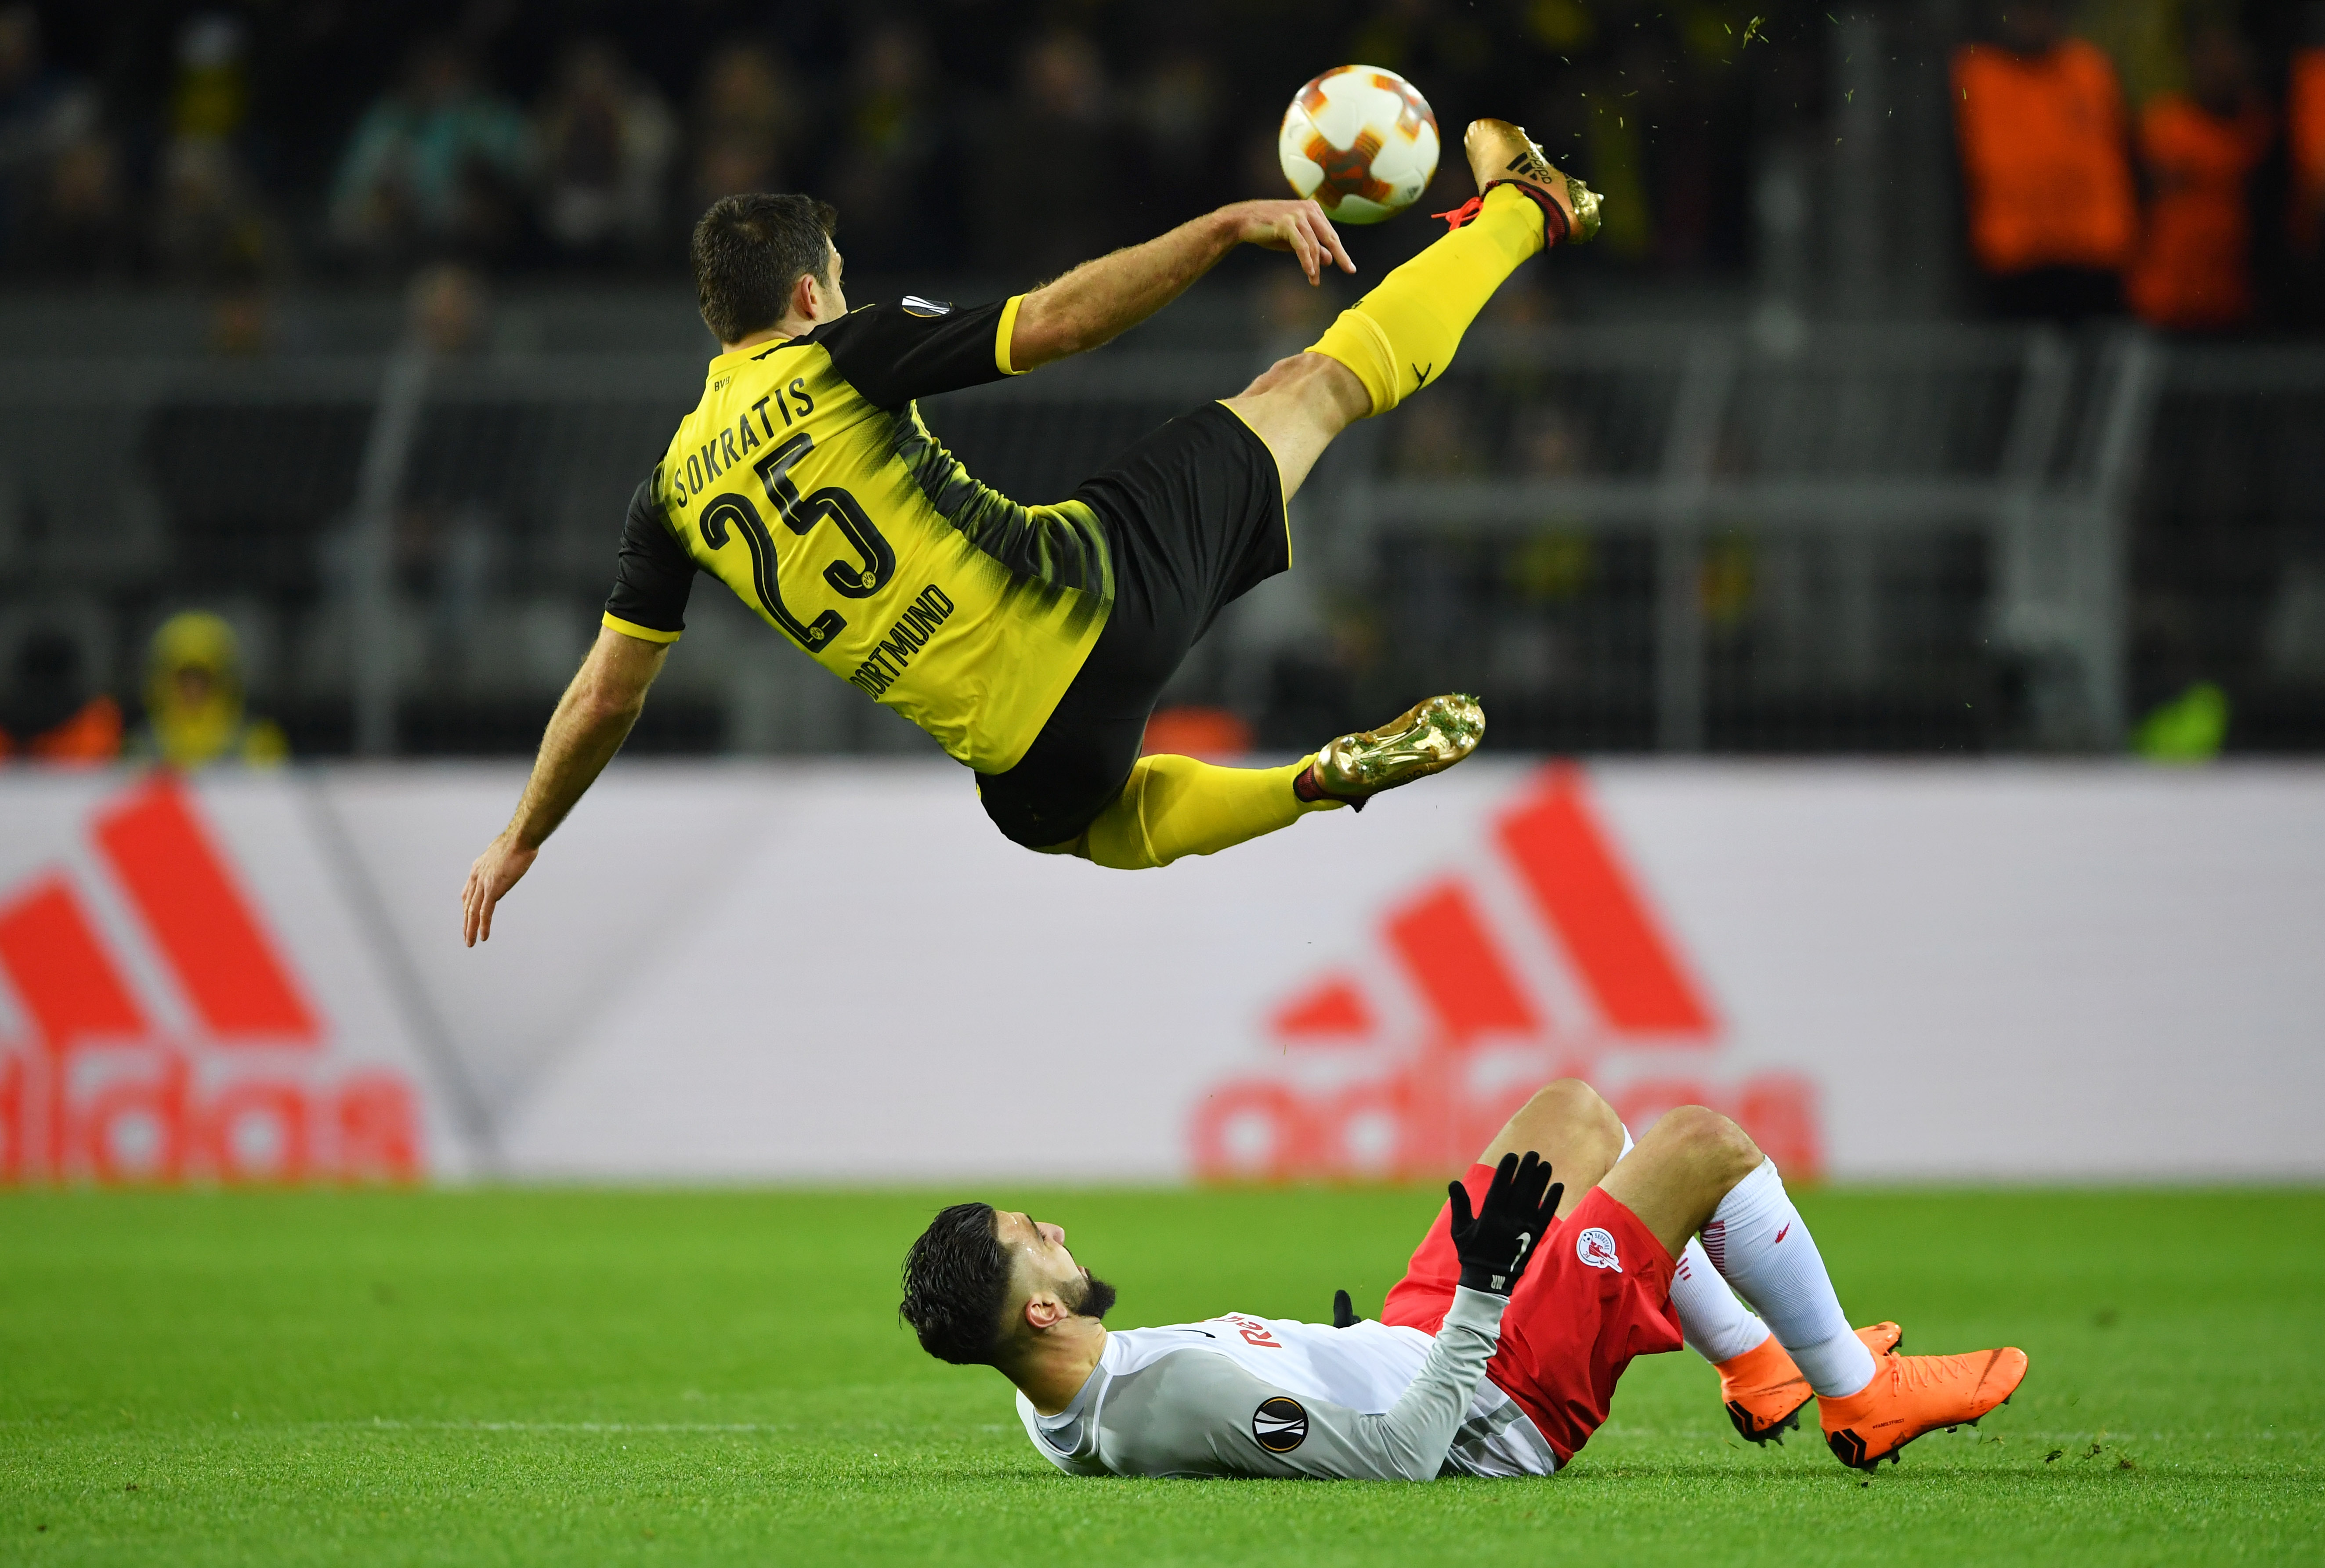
(1194,516)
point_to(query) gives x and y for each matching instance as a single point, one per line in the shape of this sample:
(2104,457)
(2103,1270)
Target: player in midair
(1495,1355)
(1032,641)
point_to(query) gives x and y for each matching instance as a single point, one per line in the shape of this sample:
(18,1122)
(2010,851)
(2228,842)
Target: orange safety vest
(2304,132)
(2042,149)
(90,736)
(2195,262)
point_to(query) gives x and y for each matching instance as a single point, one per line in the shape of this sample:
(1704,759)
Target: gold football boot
(1429,738)
(1501,154)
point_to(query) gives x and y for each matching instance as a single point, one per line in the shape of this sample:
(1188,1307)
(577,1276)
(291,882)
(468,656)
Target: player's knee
(1325,391)
(1281,373)
(1117,839)
(1725,1149)
(1569,1119)
(1574,1104)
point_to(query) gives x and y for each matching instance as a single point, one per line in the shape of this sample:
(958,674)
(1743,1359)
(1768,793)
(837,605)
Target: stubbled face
(1044,1264)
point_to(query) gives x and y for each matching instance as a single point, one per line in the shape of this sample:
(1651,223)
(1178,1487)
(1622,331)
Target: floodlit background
(1921,473)
(355,325)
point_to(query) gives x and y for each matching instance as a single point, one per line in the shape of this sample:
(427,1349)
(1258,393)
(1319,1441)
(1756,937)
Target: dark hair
(956,1285)
(750,250)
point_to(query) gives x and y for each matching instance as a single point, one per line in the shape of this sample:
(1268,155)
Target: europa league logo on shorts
(1279,1424)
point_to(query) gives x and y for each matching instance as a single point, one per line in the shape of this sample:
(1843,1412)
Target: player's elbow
(1399,1459)
(620,712)
(611,687)
(609,704)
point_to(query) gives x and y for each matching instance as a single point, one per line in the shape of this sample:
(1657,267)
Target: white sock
(1716,1325)
(1757,1240)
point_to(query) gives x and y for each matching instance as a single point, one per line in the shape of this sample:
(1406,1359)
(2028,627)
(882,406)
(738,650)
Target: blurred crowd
(2162,155)
(55,712)
(2151,163)
(212,142)
(2084,160)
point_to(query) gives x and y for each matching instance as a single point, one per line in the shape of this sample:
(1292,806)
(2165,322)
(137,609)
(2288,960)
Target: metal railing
(1668,531)
(1852,436)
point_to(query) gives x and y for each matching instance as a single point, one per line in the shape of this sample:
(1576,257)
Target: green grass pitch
(594,1377)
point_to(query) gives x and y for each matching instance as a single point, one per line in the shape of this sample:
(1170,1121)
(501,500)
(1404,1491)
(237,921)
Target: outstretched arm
(1195,1412)
(1100,299)
(591,721)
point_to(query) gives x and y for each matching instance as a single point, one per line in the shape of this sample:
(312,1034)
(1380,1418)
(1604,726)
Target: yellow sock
(1175,805)
(1402,336)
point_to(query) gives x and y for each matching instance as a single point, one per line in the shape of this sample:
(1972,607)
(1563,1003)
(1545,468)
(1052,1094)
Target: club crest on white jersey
(1597,1248)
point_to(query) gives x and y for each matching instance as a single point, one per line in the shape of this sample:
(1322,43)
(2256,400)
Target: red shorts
(1596,1293)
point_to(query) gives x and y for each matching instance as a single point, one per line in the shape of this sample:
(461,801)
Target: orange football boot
(1913,1394)
(1764,1391)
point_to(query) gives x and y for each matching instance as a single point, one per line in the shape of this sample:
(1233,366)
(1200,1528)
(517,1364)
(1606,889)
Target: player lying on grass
(1032,641)
(1497,1352)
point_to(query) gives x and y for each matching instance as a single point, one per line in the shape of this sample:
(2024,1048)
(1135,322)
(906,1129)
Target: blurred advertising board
(183,995)
(838,971)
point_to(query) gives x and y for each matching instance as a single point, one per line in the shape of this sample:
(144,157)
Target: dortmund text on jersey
(806,481)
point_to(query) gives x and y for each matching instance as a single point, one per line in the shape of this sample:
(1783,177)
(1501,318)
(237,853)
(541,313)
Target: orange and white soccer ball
(1361,140)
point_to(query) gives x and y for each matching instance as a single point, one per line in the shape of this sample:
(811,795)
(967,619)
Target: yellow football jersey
(806,481)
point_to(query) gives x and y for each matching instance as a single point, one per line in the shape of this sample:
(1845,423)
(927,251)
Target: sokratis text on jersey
(751,429)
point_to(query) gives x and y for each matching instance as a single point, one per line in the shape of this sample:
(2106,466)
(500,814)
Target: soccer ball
(1361,140)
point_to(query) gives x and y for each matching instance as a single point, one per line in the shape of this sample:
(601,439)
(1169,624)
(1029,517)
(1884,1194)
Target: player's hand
(1299,227)
(496,870)
(1494,1244)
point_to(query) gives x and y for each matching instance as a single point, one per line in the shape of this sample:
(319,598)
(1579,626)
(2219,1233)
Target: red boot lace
(1461,214)
(1557,225)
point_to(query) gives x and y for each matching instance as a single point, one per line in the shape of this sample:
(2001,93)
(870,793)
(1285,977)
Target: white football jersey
(1244,1394)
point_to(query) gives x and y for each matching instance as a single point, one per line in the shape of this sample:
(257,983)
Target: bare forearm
(585,732)
(1100,299)
(591,721)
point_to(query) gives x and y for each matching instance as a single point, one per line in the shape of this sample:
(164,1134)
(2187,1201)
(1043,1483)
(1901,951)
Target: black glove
(1343,1311)
(1519,1207)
